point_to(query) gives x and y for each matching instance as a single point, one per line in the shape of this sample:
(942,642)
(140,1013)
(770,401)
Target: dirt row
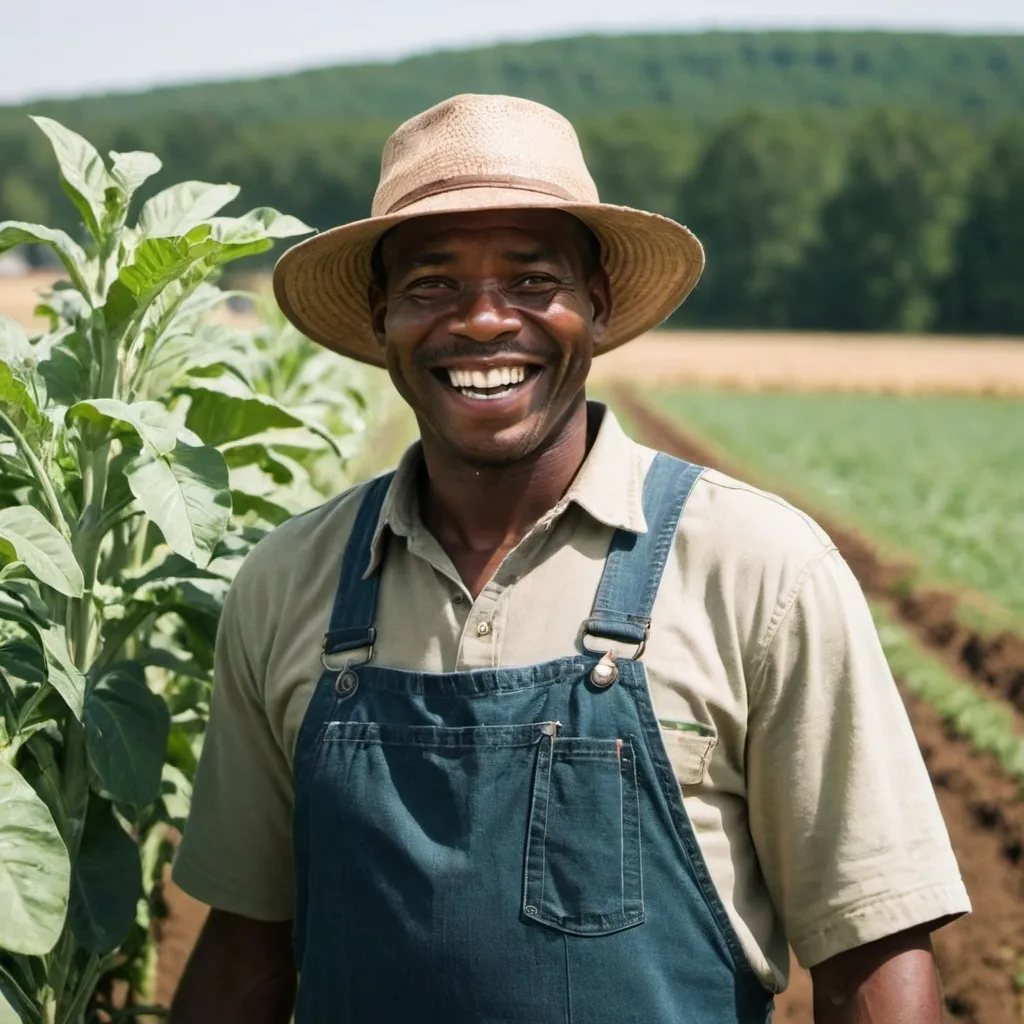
(980,956)
(994,662)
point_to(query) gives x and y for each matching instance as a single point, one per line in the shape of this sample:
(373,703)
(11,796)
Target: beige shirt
(814,811)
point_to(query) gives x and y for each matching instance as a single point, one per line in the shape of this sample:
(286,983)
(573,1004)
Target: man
(583,733)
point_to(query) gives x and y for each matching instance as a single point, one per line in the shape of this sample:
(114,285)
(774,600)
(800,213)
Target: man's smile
(489,387)
(487,381)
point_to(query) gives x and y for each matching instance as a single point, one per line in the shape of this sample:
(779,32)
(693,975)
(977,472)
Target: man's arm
(891,981)
(241,972)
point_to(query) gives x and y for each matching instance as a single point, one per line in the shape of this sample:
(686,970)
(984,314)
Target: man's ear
(378,310)
(601,302)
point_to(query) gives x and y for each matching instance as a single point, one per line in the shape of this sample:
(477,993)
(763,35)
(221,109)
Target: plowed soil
(979,956)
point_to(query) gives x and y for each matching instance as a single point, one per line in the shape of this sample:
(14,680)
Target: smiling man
(545,726)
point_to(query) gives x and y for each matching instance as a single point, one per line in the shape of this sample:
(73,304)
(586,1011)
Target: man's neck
(485,509)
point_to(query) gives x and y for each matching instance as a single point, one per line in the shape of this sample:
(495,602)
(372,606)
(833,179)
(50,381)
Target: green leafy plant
(145,445)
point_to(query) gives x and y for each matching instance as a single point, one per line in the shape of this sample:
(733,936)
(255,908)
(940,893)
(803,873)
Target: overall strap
(636,562)
(355,602)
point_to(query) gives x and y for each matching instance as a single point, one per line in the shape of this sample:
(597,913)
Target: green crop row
(940,479)
(987,724)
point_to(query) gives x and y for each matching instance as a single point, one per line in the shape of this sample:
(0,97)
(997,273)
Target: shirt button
(458,599)
(483,629)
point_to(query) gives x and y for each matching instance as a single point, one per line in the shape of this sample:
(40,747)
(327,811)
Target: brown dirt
(980,955)
(175,934)
(994,662)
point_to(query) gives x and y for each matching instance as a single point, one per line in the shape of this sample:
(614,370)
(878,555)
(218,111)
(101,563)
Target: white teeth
(487,380)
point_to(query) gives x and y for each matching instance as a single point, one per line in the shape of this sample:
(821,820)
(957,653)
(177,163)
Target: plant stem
(129,625)
(45,484)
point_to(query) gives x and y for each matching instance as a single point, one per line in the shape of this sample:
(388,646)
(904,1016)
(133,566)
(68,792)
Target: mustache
(466,349)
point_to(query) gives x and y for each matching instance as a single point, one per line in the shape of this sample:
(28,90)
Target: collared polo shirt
(812,808)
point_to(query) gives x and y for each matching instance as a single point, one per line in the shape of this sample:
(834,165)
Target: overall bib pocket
(583,871)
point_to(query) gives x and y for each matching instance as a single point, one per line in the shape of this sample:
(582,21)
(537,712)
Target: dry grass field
(769,360)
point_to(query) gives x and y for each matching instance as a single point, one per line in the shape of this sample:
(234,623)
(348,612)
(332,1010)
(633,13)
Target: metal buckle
(613,641)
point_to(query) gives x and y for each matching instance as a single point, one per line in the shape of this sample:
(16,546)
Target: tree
(753,200)
(886,235)
(984,291)
(640,158)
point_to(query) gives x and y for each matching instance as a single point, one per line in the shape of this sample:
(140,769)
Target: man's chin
(493,450)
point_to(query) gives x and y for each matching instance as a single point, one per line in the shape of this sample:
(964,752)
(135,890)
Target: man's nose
(484,316)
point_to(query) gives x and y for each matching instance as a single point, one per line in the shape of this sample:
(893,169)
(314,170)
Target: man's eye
(535,280)
(428,284)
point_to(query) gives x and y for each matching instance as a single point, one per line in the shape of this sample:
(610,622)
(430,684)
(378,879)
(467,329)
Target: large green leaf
(83,173)
(130,170)
(223,409)
(66,369)
(263,222)
(271,512)
(61,672)
(8,1013)
(13,233)
(126,727)
(14,344)
(149,422)
(106,882)
(16,398)
(185,493)
(178,209)
(34,869)
(26,535)
(23,661)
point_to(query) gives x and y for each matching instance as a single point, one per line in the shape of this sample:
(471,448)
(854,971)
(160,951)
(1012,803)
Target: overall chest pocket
(583,855)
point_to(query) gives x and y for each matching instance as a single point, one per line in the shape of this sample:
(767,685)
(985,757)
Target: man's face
(488,322)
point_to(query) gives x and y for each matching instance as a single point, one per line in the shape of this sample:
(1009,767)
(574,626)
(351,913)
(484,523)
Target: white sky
(68,47)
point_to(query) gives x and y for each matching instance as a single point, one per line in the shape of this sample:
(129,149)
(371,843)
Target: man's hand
(241,972)
(892,981)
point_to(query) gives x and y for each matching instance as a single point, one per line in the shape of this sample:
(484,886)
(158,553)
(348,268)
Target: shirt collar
(608,486)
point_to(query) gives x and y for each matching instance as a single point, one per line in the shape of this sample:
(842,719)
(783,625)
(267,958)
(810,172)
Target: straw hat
(481,153)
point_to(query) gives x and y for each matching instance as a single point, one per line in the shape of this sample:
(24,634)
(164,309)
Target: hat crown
(482,141)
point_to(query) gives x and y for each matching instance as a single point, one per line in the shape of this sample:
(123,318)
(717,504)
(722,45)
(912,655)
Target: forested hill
(860,181)
(708,75)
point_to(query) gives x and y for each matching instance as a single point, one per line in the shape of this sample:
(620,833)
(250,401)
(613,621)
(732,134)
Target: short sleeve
(846,825)
(236,851)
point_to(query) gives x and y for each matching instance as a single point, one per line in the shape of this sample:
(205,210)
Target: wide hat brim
(322,284)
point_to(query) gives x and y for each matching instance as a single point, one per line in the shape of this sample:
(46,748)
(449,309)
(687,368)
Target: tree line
(889,219)
(708,74)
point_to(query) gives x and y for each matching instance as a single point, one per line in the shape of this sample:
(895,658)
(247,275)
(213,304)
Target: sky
(73,47)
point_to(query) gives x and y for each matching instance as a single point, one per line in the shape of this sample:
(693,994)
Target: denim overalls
(506,845)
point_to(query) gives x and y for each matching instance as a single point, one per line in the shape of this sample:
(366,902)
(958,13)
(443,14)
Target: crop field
(940,479)
(923,495)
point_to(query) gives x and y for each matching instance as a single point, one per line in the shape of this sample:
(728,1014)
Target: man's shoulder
(307,542)
(742,524)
